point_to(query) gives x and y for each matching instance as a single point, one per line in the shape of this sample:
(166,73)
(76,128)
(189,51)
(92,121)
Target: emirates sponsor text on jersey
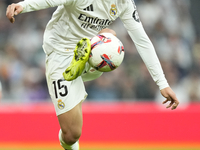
(94,23)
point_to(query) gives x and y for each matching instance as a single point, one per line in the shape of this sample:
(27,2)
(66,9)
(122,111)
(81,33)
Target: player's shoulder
(83,2)
(125,3)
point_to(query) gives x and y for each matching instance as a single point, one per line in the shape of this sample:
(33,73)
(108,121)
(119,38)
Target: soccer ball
(107,52)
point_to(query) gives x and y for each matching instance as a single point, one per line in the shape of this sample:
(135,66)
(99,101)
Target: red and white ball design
(107,52)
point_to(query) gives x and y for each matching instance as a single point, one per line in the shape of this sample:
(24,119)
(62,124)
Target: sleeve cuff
(163,84)
(23,5)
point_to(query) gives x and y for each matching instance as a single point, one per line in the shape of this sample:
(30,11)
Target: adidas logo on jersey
(89,8)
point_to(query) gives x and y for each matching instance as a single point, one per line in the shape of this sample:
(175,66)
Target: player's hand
(13,10)
(171,97)
(107,30)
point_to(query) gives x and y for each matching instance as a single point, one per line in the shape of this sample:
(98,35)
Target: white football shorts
(65,95)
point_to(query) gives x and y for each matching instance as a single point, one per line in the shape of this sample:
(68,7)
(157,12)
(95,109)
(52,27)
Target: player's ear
(107,30)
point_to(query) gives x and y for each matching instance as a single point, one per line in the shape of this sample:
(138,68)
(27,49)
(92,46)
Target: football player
(72,25)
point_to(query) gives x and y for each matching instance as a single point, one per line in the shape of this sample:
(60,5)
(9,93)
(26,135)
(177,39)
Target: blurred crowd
(168,24)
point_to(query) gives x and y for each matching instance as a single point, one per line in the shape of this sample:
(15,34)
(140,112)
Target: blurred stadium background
(123,105)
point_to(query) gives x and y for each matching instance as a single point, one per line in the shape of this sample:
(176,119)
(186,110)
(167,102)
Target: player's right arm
(32,5)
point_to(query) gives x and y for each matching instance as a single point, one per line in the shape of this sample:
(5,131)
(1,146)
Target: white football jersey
(75,19)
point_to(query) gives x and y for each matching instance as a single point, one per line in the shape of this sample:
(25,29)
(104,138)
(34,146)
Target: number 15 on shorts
(60,88)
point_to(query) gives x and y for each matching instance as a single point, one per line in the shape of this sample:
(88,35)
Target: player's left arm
(147,52)
(145,48)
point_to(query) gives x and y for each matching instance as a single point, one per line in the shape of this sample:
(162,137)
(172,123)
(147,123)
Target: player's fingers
(10,13)
(176,103)
(170,105)
(171,102)
(10,10)
(12,19)
(165,101)
(18,9)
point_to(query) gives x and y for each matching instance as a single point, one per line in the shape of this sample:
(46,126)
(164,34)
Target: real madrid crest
(113,10)
(61,105)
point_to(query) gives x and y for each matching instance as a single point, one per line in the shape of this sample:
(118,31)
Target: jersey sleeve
(144,46)
(33,5)
(129,16)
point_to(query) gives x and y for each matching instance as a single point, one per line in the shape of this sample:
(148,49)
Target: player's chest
(98,10)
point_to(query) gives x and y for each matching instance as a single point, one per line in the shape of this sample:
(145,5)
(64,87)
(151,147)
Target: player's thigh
(66,95)
(71,122)
(91,74)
